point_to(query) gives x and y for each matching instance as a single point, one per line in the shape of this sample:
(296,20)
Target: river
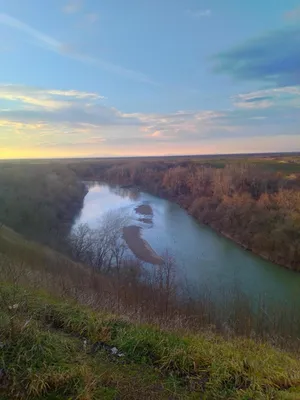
(203,257)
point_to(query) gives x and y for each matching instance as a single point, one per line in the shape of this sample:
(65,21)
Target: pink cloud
(156,134)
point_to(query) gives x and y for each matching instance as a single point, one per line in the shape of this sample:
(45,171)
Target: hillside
(40,201)
(54,348)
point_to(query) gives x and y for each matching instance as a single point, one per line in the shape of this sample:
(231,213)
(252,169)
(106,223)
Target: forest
(255,206)
(40,201)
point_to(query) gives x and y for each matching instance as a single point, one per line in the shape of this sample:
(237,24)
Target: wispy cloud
(56,46)
(46,40)
(33,105)
(156,133)
(49,99)
(54,115)
(254,103)
(73,6)
(273,57)
(199,13)
(286,97)
(51,118)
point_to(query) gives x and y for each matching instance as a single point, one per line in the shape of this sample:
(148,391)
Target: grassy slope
(43,353)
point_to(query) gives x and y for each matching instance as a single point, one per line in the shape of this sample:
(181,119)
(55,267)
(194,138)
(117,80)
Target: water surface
(203,257)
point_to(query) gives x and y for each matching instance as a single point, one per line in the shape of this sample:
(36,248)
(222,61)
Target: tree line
(257,208)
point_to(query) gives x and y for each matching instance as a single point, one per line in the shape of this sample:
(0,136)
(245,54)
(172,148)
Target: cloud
(274,58)
(257,99)
(55,118)
(199,13)
(156,134)
(73,6)
(259,102)
(64,49)
(83,111)
(293,14)
(284,97)
(47,41)
(48,99)
(52,119)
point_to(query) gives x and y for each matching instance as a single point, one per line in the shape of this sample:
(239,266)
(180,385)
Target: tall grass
(55,349)
(143,295)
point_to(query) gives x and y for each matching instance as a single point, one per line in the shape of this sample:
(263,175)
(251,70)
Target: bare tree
(104,247)
(81,241)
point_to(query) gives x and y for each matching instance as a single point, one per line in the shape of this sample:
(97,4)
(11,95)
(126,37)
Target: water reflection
(125,192)
(203,257)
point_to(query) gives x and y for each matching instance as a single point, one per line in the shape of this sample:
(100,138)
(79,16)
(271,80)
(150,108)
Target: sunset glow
(84,79)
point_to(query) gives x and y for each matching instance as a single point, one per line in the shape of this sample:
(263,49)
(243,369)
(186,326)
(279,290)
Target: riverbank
(185,205)
(211,222)
(143,210)
(229,236)
(245,247)
(146,210)
(256,207)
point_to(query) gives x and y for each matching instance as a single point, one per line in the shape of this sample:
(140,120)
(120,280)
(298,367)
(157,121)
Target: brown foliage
(257,208)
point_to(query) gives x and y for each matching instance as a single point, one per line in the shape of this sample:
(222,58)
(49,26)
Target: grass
(46,353)
(48,343)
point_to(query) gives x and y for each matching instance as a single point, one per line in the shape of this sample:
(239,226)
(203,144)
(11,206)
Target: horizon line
(155,156)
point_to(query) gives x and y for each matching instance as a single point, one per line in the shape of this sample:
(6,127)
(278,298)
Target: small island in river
(144,209)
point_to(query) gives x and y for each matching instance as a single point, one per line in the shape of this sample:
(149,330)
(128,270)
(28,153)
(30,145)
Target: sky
(91,78)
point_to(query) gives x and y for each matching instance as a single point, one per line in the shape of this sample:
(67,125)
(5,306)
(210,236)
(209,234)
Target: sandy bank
(144,209)
(140,248)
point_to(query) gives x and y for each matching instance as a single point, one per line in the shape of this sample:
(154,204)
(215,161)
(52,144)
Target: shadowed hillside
(53,347)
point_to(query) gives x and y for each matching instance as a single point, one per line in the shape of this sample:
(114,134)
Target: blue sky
(141,77)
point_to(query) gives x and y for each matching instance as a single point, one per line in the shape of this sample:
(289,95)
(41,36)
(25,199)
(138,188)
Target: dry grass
(47,352)
(54,310)
(143,297)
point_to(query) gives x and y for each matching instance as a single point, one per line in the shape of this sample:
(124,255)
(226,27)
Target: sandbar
(144,209)
(140,247)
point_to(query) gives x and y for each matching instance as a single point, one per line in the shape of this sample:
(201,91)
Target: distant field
(282,162)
